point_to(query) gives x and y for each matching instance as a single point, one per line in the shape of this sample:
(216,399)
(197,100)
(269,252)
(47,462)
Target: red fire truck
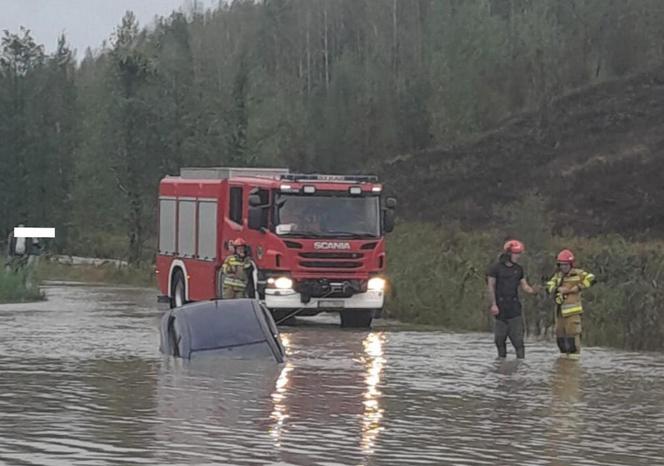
(316,241)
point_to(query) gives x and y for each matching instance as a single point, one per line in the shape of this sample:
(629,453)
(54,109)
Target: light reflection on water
(280,411)
(373,413)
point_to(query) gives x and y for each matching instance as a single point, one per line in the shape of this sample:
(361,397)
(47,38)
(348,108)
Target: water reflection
(280,410)
(209,408)
(123,393)
(286,343)
(565,382)
(565,410)
(373,413)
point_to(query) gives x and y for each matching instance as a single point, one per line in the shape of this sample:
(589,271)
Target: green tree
(130,115)
(21,62)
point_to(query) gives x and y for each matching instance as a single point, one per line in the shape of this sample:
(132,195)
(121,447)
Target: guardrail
(94,261)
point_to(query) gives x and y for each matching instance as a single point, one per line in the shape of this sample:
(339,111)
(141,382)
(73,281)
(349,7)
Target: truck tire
(178,296)
(356,318)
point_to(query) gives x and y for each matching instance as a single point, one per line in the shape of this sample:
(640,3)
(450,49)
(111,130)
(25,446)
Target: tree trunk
(325,50)
(395,44)
(308,41)
(135,229)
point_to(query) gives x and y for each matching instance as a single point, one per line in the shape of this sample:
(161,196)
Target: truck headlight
(281,283)
(376,284)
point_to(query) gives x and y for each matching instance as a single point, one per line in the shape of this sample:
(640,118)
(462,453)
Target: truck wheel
(177,287)
(357,318)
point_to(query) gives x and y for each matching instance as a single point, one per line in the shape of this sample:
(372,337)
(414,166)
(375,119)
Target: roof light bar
(330,178)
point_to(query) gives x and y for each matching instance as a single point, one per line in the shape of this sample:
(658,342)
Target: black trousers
(512,328)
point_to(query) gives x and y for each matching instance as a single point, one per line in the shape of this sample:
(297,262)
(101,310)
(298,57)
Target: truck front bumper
(290,299)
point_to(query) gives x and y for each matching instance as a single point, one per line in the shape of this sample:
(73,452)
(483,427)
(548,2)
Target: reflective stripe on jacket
(570,303)
(235,271)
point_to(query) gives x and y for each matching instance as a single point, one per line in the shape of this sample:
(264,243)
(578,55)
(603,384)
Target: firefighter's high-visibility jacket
(235,272)
(576,280)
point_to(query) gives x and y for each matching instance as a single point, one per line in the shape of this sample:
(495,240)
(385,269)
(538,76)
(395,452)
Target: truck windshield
(328,216)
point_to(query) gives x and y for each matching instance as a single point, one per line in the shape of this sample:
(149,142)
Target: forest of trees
(330,85)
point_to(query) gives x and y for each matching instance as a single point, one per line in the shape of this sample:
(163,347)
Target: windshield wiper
(313,234)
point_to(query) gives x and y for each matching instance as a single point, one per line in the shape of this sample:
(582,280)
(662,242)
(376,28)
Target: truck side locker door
(235,217)
(254,237)
(231,220)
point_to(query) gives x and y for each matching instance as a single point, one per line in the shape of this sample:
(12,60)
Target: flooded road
(82,383)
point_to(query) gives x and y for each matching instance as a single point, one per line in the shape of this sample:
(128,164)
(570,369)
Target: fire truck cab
(316,241)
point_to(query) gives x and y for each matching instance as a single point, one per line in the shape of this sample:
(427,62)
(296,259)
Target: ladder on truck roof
(221,173)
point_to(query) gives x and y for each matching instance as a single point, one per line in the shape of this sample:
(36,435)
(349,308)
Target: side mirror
(255,218)
(388,221)
(254,200)
(391,203)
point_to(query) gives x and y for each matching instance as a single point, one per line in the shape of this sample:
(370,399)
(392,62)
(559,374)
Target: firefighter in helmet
(566,287)
(236,270)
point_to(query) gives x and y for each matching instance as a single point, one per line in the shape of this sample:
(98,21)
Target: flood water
(82,383)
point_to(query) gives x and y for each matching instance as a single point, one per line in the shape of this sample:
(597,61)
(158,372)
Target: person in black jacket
(504,279)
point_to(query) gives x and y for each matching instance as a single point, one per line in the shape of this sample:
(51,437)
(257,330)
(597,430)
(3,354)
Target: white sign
(284,229)
(27,232)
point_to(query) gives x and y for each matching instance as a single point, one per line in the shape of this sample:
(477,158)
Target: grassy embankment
(13,287)
(108,273)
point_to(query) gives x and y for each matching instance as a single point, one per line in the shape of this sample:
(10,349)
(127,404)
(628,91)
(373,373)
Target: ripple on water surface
(83,383)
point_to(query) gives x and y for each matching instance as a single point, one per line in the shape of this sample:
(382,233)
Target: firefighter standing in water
(504,279)
(565,287)
(236,270)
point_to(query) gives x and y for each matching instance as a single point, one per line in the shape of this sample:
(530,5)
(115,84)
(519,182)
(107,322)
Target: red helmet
(514,246)
(238,242)
(566,257)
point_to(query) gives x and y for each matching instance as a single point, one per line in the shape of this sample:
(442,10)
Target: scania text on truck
(316,241)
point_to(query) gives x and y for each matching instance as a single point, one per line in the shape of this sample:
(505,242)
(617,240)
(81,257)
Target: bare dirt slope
(598,160)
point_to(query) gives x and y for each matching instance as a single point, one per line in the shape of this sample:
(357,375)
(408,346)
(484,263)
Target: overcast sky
(86,23)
